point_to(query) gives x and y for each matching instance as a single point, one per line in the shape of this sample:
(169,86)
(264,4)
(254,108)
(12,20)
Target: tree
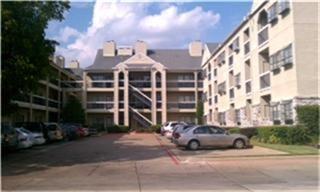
(199,113)
(73,111)
(25,49)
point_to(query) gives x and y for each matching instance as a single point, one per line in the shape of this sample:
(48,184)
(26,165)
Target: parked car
(209,136)
(54,131)
(37,138)
(169,132)
(71,131)
(167,127)
(9,137)
(34,127)
(180,128)
(25,140)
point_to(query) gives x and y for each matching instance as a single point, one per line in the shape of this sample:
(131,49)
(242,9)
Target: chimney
(140,47)
(60,61)
(195,49)
(74,64)
(109,49)
(124,50)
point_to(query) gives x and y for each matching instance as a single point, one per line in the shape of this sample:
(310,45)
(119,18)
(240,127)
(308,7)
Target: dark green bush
(99,127)
(156,128)
(308,116)
(283,135)
(118,129)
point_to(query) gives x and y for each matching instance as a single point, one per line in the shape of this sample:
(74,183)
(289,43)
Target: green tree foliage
(308,116)
(25,51)
(199,113)
(73,111)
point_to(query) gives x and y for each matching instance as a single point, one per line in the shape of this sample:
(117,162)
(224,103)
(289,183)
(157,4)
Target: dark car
(35,127)
(9,137)
(70,131)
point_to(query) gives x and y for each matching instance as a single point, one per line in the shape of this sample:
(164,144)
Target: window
(248,87)
(216,99)
(221,118)
(202,130)
(217,130)
(237,116)
(235,45)
(246,35)
(222,88)
(287,110)
(272,13)
(215,72)
(282,57)
(230,60)
(238,80)
(287,55)
(221,58)
(265,81)
(275,112)
(231,93)
(284,6)
(246,48)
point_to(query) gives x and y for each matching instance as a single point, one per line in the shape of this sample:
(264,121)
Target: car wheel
(193,145)
(239,144)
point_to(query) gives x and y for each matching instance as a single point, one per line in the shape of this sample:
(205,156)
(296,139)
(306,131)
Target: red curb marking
(169,153)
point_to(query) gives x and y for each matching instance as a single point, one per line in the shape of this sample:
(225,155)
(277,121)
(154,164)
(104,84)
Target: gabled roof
(174,59)
(212,46)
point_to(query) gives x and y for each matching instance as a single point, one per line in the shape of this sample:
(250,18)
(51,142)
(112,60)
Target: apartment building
(265,68)
(46,102)
(140,87)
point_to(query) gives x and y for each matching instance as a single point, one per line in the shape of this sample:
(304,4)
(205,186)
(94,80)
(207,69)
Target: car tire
(193,145)
(239,144)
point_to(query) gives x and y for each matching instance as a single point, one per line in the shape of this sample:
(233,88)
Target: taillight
(176,135)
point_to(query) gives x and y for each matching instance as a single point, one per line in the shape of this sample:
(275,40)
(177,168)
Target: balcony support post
(126,97)
(154,96)
(116,98)
(164,96)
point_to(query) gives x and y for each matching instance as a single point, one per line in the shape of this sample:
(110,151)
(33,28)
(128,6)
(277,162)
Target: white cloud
(127,22)
(66,33)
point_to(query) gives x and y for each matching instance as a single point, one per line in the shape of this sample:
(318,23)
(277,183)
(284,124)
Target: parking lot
(146,162)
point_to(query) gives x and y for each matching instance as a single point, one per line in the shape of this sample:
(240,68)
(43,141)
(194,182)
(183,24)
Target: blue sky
(162,25)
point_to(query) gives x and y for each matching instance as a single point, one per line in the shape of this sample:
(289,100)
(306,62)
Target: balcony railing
(71,84)
(100,104)
(53,103)
(140,83)
(101,84)
(181,105)
(263,36)
(39,100)
(181,83)
(54,82)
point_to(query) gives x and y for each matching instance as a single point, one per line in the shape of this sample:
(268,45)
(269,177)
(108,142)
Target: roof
(212,46)
(174,59)
(101,62)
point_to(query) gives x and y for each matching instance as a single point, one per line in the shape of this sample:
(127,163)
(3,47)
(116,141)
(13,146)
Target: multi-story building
(139,87)
(265,68)
(46,102)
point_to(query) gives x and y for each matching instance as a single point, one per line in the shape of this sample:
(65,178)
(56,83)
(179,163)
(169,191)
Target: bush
(118,129)
(283,135)
(308,116)
(249,132)
(156,128)
(152,129)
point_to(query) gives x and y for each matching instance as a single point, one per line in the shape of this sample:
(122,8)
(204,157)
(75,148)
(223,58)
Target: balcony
(53,103)
(265,111)
(39,100)
(248,87)
(141,83)
(263,35)
(181,105)
(101,84)
(71,84)
(106,105)
(246,48)
(54,82)
(181,83)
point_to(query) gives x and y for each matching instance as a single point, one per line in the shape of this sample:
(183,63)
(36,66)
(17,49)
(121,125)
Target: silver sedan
(209,136)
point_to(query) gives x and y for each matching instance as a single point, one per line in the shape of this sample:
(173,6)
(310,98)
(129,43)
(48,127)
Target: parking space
(145,162)
(210,153)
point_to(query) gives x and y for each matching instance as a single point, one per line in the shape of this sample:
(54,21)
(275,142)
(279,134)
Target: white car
(168,127)
(25,140)
(37,138)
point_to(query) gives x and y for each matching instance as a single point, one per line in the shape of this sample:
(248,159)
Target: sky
(87,25)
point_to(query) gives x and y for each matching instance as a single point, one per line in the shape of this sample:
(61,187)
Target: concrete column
(164,95)
(154,96)
(116,97)
(196,91)
(84,94)
(59,95)
(126,98)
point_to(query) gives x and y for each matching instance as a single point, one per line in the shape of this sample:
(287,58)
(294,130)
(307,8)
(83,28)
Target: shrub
(308,116)
(156,128)
(248,131)
(283,135)
(118,129)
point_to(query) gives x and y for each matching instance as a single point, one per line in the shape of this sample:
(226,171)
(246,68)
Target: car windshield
(25,130)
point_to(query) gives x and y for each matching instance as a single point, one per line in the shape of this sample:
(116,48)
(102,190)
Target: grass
(291,149)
